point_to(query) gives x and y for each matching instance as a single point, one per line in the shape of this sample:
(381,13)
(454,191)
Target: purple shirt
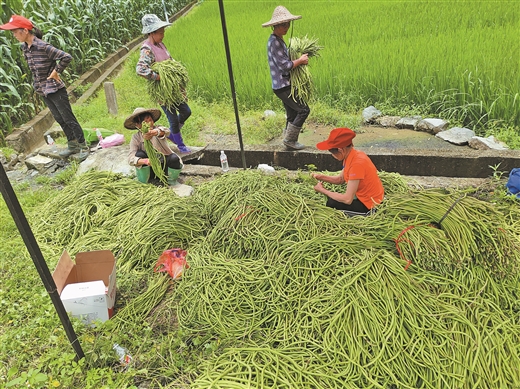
(279,62)
(149,55)
(42,59)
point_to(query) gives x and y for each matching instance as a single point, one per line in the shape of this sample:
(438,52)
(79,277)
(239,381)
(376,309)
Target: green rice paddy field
(458,59)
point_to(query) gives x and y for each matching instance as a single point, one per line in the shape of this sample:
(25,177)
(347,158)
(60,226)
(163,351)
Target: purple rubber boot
(177,139)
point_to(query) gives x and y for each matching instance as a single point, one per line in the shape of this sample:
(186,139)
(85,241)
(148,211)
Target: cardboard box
(87,288)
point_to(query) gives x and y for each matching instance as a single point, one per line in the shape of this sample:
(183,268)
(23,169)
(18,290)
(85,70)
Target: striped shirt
(42,59)
(279,62)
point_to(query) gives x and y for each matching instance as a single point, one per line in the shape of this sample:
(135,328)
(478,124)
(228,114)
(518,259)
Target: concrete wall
(469,163)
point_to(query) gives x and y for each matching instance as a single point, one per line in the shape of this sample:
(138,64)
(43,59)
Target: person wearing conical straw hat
(364,187)
(280,66)
(170,162)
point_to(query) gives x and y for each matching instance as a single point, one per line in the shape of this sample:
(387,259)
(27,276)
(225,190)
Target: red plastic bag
(172,261)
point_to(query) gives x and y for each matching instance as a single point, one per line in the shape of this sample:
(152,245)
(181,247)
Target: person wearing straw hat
(157,135)
(364,188)
(153,50)
(280,66)
(46,63)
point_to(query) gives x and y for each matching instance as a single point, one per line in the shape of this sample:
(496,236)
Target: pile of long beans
(299,295)
(101,210)
(291,281)
(170,90)
(301,79)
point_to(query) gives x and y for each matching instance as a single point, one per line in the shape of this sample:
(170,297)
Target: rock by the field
(432,125)
(268,113)
(13,160)
(490,142)
(114,159)
(370,114)
(408,123)
(387,121)
(456,135)
(40,163)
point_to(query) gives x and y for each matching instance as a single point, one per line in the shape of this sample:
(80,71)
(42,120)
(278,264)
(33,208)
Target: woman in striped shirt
(46,63)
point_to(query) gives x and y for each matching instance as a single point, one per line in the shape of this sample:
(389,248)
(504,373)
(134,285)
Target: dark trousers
(172,161)
(296,111)
(355,206)
(59,105)
(177,120)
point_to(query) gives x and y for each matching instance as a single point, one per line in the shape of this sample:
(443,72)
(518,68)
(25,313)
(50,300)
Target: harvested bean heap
(422,294)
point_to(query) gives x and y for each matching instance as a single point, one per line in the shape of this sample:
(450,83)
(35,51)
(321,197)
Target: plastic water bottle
(51,143)
(124,357)
(223,161)
(98,134)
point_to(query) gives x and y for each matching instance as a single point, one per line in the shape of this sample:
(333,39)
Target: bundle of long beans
(170,90)
(301,79)
(154,156)
(472,231)
(140,307)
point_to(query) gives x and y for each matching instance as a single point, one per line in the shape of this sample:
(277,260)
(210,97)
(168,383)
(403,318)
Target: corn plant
(89,30)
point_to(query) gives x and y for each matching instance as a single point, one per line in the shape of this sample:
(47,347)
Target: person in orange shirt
(364,188)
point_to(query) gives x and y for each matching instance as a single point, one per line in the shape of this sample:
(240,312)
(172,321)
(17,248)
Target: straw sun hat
(281,15)
(130,120)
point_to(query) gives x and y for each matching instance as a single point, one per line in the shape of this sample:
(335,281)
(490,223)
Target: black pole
(37,257)
(231,80)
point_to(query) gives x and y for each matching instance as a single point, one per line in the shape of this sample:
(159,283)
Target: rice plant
(449,58)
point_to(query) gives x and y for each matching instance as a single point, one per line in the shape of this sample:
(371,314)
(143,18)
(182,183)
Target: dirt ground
(374,136)
(367,136)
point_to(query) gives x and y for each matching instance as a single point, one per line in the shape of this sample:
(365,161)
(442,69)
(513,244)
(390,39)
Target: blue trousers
(177,116)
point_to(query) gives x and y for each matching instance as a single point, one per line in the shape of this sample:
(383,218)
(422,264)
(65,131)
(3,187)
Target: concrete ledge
(468,164)
(30,136)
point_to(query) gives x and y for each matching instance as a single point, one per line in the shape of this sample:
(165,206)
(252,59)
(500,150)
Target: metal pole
(231,80)
(37,257)
(165,13)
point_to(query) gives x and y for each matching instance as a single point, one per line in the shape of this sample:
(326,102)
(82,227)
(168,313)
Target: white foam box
(87,287)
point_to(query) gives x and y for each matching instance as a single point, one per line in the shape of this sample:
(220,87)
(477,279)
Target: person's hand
(319,187)
(150,134)
(144,161)
(316,175)
(304,59)
(55,76)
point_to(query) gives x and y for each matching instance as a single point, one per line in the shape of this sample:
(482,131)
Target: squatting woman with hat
(157,135)
(153,50)
(46,63)
(364,188)
(280,66)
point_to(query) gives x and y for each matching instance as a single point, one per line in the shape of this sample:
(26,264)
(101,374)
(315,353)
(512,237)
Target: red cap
(338,138)
(17,21)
